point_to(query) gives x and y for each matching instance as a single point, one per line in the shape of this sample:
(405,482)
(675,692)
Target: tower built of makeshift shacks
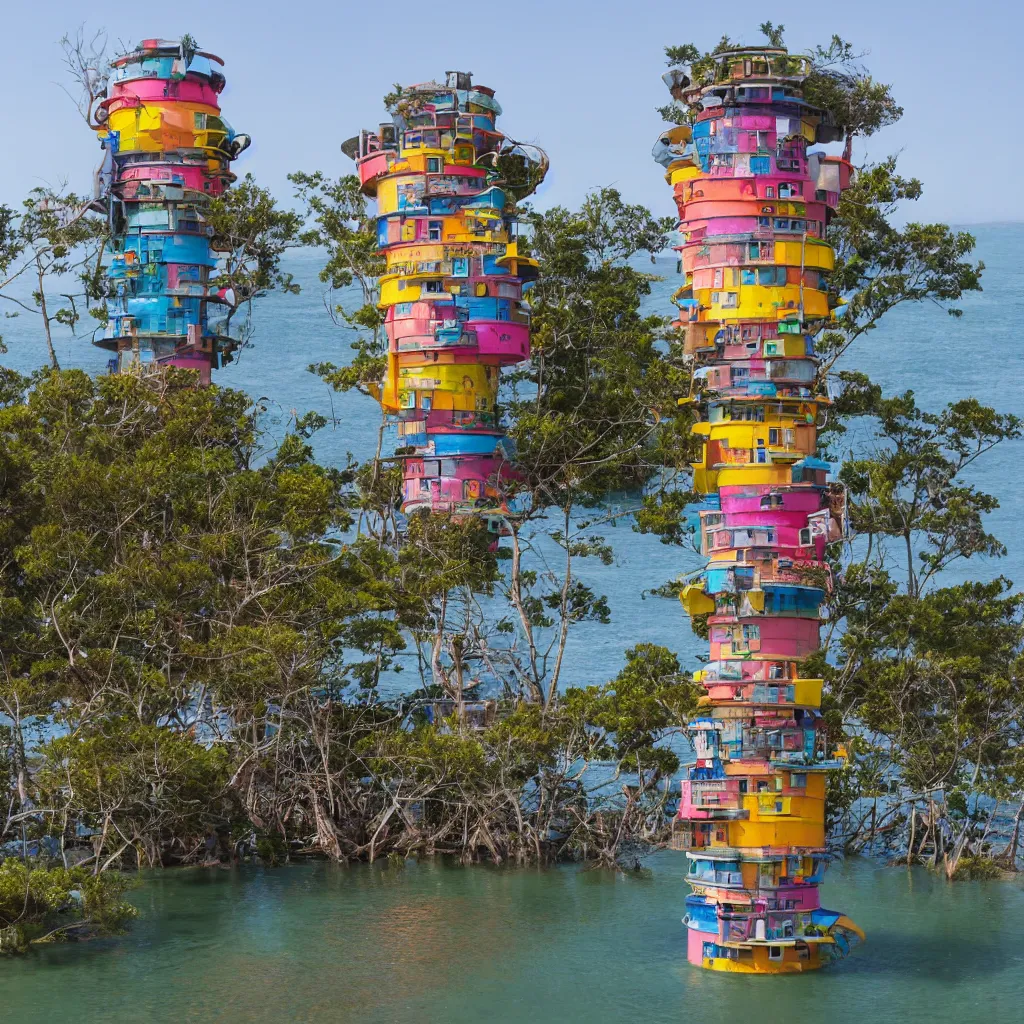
(753,206)
(167,153)
(446,181)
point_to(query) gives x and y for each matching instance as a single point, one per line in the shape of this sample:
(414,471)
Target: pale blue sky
(581,79)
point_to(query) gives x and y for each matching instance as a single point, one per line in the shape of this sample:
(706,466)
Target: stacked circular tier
(446,182)
(753,207)
(168,151)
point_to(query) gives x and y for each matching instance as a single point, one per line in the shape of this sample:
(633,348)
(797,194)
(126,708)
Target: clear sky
(581,79)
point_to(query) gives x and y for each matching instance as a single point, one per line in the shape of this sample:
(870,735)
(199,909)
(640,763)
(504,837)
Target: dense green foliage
(39,904)
(204,631)
(595,410)
(213,646)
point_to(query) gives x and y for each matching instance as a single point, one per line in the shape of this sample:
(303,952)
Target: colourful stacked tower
(167,153)
(446,182)
(753,207)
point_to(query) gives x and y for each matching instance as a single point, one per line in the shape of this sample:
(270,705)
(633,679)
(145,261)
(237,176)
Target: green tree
(773,33)
(54,241)
(40,904)
(339,222)
(147,788)
(933,685)
(879,266)
(910,488)
(204,636)
(593,417)
(840,85)
(924,674)
(594,413)
(251,234)
(166,582)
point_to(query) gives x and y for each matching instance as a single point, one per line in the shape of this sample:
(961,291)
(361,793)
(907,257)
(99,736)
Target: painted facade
(446,181)
(753,206)
(167,151)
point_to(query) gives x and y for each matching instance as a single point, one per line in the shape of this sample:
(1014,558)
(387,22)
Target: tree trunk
(46,318)
(327,837)
(913,825)
(563,625)
(516,596)
(911,577)
(1009,855)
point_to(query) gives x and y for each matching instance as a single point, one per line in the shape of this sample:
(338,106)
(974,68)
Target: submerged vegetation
(212,646)
(39,904)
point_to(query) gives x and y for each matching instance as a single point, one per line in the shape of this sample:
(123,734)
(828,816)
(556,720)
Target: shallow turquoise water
(431,943)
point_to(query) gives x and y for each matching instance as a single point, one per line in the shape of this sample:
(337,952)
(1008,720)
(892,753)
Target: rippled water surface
(430,943)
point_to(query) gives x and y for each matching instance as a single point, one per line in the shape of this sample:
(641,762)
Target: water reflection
(436,943)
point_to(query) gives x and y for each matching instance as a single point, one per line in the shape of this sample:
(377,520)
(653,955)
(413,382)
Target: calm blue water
(432,943)
(919,347)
